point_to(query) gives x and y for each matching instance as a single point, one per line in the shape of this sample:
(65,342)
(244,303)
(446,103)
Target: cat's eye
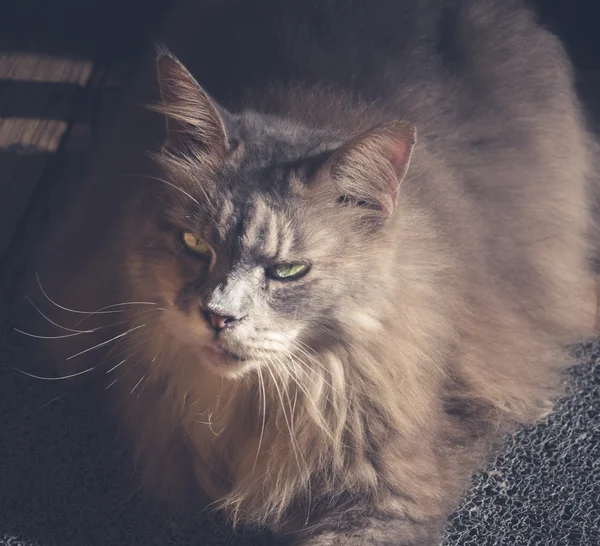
(196,245)
(288,271)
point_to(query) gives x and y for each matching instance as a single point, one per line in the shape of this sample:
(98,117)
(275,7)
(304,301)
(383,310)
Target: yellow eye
(196,244)
(288,271)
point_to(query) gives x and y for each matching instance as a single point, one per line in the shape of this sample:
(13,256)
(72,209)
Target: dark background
(105,27)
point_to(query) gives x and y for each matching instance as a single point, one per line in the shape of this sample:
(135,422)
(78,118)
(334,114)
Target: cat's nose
(220,322)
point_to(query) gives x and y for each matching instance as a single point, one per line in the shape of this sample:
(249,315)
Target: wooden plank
(38,98)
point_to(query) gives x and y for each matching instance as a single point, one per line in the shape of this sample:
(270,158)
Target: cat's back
(468,73)
(399,53)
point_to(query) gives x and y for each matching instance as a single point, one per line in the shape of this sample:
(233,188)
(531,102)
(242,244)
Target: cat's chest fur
(215,416)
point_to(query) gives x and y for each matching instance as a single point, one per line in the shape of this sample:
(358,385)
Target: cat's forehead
(273,165)
(269,142)
(257,200)
(272,161)
(267,229)
(260,227)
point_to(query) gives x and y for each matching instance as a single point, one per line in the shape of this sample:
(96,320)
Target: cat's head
(267,239)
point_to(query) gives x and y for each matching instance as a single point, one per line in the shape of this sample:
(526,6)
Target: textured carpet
(65,480)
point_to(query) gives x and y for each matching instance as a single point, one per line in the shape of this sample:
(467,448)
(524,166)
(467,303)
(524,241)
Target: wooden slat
(32,124)
(43,68)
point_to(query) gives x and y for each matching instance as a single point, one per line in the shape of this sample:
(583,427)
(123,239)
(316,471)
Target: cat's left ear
(194,123)
(368,170)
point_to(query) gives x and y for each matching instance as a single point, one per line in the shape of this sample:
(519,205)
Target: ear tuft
(194,124)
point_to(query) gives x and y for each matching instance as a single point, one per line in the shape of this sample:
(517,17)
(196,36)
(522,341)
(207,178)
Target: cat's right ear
(194,125)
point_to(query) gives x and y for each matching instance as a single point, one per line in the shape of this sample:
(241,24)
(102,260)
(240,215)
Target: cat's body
(434,316)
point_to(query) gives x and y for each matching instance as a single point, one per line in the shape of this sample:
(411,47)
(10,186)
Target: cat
(329,254)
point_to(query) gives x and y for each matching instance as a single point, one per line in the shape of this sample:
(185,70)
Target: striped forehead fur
(261,230)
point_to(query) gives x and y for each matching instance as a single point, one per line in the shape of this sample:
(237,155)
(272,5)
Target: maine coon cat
(340,255)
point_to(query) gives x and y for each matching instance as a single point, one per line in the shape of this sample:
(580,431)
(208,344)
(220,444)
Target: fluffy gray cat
(338,258)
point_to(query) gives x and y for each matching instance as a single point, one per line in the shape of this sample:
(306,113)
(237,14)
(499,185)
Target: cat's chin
(223,362)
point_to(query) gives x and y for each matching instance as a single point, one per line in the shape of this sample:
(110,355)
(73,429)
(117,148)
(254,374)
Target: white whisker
(137,384)
(168,184)
(54,323)
(115,367)
(263,401)
(78,332)
(103,310)
(51,337)
(285,416)
(294,442)
(106,342)
(126,320)
(129,351)
(55,399)
(111,384)
(312,359)
(53,378)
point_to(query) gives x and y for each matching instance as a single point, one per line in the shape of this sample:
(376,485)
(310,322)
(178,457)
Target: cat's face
(270,239)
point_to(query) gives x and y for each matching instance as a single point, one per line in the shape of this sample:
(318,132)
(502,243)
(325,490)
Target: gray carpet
(66,481)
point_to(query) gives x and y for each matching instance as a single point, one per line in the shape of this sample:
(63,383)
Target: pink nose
(219,322)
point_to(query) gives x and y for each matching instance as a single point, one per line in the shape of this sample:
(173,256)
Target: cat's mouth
(221,357)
